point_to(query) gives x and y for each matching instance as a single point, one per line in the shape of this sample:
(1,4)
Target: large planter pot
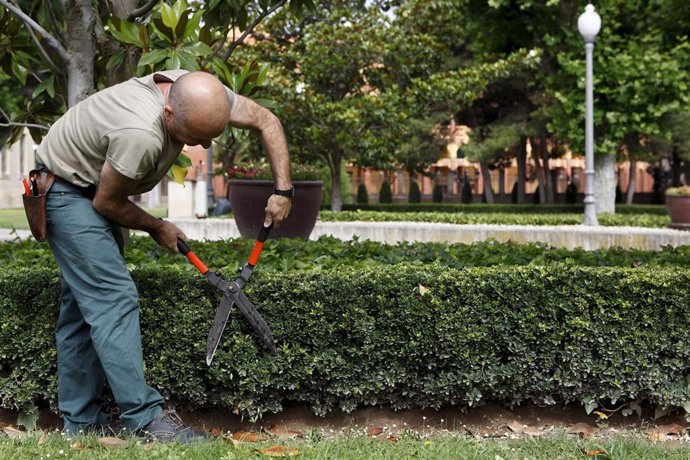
(248,200)
(678,208)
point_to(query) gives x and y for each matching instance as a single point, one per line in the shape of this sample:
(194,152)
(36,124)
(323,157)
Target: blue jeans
(98,332)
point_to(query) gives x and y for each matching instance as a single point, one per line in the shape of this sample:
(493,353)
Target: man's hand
(277,210)
(167,234)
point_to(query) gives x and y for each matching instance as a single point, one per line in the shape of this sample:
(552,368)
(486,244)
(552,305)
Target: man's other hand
(277,210)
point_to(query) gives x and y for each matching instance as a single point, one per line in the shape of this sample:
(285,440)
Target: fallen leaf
(423,289)
(248,436)
(518,428)
(112,443)
(216,432)
(594,452)
(374,431)
(602,416)
(585,430)
(392,438)
(14,433)
(78,446)
(283,432)
(659,433)
(279,451)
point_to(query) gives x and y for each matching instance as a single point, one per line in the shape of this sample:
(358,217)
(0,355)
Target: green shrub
(362,194)
(404,335)
(327,253)
(437,194)
(385,194)
(499,218)
(502,208)
(415,195)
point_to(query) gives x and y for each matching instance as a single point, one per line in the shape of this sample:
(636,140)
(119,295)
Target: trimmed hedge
(499,218)
(408,336)
(329,253)
(658,210)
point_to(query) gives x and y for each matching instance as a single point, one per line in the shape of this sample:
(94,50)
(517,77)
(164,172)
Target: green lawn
(559,446)
(16,218)
(13,218)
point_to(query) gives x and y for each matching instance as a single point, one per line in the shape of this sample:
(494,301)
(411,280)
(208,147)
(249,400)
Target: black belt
(88,192)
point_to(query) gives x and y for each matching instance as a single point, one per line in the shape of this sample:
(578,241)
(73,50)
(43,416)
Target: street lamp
(589,24)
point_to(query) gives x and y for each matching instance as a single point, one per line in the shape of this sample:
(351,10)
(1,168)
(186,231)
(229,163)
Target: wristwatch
(288,193)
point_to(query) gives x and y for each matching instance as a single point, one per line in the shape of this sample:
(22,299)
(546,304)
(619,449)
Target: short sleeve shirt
(123,125)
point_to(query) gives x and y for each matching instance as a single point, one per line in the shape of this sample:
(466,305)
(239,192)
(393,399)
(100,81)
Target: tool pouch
(35,204)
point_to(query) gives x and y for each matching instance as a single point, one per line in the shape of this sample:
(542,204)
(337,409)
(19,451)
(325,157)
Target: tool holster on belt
(35,202)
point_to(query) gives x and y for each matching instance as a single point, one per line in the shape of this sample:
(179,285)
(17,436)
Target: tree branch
(26,125)
(54,43)
(137,13)
(41,50)
(249,30)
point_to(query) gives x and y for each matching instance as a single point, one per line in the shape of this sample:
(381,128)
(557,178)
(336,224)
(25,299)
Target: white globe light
(589,24)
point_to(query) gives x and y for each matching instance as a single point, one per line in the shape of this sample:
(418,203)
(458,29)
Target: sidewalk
(7,234)
(561,236)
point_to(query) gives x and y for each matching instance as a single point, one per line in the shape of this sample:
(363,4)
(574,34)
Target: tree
(65,51)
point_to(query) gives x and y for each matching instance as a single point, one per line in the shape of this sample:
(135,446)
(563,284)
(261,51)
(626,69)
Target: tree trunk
(548,189)
(80,20)
(605,183)
(501,181)
(631,182)
(676,168)
(522,170)
(536,154)
(334,166)
(486,178)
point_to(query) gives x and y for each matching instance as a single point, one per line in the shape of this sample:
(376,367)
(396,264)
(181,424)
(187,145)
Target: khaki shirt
(123,125)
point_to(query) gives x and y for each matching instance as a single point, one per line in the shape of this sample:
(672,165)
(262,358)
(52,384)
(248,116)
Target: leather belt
(88,192)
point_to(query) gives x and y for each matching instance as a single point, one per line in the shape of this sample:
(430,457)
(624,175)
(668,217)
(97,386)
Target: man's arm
(112,201)
(246,113)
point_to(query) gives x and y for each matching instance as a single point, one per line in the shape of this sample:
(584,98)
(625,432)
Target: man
(119,142)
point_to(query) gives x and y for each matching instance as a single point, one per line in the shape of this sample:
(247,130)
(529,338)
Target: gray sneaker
(169,427)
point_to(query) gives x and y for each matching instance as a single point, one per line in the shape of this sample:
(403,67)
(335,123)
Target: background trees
(371,82)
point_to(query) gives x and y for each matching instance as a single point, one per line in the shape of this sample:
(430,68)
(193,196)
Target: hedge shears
(232,295)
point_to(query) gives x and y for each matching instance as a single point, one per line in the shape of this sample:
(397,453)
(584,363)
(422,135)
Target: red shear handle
(263,235)
(184,249)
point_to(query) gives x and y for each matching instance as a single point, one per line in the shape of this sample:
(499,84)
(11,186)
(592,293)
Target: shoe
(169,427)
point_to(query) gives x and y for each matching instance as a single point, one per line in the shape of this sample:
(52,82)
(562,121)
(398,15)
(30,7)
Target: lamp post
(589,24)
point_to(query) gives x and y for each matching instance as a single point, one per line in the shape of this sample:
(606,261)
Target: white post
(589,24)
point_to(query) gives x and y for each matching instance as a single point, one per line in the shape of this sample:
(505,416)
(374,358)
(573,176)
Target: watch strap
(288,193)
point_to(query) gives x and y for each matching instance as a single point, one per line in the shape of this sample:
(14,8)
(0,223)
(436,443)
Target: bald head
(199,104)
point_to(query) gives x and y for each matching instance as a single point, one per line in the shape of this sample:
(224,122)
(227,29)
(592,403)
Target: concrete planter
(678,208)
(248,200)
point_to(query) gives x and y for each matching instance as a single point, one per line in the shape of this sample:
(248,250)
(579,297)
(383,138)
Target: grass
(13,218)
(16,218)
(558,446)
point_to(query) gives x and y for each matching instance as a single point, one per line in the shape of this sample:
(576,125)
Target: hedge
(329,253)
(400,335)
(659,210)
(498,218)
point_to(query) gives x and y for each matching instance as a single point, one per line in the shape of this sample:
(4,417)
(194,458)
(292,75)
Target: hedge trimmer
(232,295)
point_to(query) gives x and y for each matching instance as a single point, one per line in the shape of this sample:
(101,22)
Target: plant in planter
(250,186)
(678,207)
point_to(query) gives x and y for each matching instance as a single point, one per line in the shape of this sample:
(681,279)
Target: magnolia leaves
(178,171)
